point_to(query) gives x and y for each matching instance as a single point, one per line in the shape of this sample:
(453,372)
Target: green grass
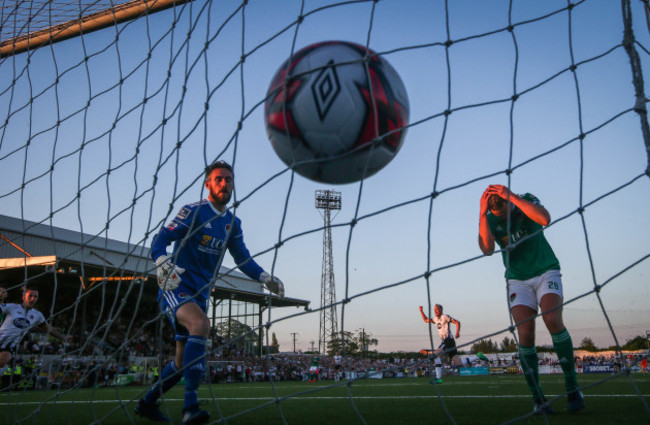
(468,400)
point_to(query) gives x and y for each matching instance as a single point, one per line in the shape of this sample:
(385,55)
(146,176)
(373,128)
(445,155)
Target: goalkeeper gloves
(168,273)
(273,284)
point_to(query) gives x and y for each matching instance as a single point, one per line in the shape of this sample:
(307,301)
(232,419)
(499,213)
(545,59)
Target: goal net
(106,131)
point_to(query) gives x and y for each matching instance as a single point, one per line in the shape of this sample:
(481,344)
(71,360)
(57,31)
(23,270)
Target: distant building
(97,285)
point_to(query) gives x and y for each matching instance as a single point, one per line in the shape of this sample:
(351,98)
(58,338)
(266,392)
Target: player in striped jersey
(447,347)
(18,321)
(200,232)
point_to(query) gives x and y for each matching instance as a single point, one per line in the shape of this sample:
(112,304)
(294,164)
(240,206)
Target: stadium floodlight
(327,201)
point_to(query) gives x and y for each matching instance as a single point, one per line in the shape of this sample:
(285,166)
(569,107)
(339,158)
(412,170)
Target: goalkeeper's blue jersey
(207,232)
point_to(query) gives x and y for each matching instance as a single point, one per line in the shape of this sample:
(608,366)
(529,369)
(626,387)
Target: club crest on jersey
(205,240)
(183,213)
(227,227)
(21,323)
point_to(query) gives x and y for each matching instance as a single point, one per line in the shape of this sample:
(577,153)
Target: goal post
(85,24)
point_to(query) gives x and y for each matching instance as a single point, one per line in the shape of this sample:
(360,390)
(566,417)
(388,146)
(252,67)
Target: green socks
(530,367)
(564,350)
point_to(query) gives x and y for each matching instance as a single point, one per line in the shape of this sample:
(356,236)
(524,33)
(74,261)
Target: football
(336,112)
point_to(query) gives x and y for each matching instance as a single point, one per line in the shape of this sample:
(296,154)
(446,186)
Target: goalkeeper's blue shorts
(171,301)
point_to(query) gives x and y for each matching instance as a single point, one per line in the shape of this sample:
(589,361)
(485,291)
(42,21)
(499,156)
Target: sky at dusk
(82,122)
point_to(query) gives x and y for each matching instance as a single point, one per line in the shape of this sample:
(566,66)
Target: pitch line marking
(58,402)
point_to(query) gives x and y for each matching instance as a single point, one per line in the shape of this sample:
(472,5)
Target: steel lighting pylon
(327,201)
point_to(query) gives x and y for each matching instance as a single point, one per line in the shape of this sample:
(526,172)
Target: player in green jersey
(314,369)
(515,223)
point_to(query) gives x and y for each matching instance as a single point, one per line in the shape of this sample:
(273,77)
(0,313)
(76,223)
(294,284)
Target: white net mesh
(108,134)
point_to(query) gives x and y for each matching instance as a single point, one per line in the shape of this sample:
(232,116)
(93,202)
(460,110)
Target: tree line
(362,343)
(509,345)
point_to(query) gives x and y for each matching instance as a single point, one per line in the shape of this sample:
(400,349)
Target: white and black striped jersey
(443,323)
(17,322)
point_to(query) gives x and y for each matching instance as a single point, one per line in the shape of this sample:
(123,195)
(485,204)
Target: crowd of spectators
(296,368)
(82,371)
(609,358)
(138,344)
(86,372)
(93,361)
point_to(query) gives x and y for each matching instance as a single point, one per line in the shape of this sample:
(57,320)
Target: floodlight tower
(327,200)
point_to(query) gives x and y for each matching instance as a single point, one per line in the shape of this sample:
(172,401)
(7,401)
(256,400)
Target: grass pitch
(459,400)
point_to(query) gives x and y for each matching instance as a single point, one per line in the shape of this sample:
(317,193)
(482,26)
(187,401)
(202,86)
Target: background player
(534,281)
(200,232)
(448,343)
(338,363)
(314,369)
(18,321)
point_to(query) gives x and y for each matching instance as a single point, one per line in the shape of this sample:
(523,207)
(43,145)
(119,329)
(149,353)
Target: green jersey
(531,257)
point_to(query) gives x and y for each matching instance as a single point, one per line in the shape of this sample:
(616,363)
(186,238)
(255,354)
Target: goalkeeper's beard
(220,198)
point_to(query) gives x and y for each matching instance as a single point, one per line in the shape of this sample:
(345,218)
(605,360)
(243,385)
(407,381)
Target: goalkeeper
(443,323)
(200,232)
(534,281)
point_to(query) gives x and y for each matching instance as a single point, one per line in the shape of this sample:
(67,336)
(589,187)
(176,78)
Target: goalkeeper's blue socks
(168,378)
(193,367)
